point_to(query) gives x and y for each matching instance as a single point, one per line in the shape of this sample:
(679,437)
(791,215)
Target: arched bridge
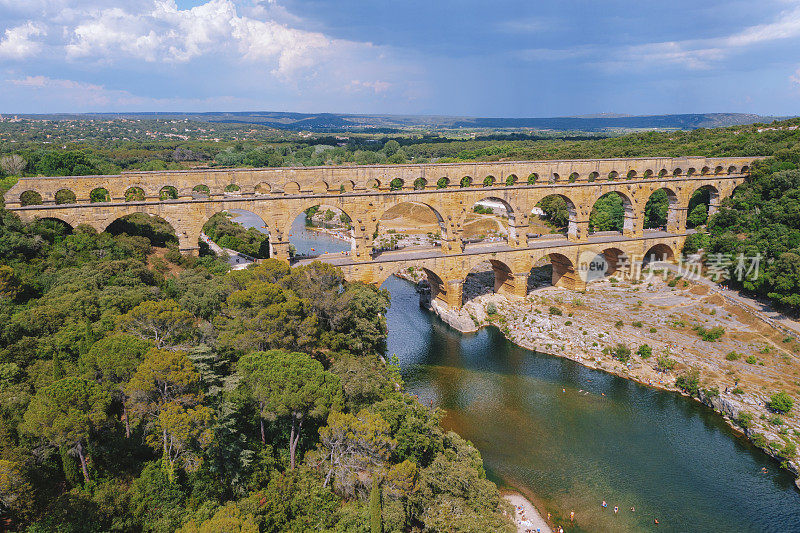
(187,199)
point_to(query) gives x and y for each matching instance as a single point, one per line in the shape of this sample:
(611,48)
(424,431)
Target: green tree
(113,361)
(164,323)
(656,210)
(16,492)
(290,385)
(165,393)
(697,216)
(351,445)
(65,413)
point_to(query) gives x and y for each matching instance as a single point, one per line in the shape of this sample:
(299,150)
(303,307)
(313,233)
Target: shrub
(775,420)
(759,440)
(568,323)
(619,324)
(672,283)
(710,335)
(751,360)
(555,311)
(636,324)
(644,351)
(788,451)
(744,419)
(732,356)
(780,402)
(653,330)
(491,309)
(713,392)
(689,382)
(664,363)
(738,390)
(622,353)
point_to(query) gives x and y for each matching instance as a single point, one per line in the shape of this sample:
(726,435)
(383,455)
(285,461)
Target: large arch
(612,211)
(703,202)
(487,276)
(661,210)
(311,232)
(554,269)
(241,230)
(157,229)
(406,224)
(554,212)
(658,253)
(490,218)
(30,198)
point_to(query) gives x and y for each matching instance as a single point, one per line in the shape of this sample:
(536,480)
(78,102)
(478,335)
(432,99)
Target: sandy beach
(526,516)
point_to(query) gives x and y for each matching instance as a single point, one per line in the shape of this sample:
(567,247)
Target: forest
(149,393)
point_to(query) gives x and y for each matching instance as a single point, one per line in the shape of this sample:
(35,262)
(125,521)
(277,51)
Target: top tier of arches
(221,184)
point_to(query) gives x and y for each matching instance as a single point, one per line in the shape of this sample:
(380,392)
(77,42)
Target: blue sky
(448,57)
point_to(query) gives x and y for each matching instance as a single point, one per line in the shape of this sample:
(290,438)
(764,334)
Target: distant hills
(344,122)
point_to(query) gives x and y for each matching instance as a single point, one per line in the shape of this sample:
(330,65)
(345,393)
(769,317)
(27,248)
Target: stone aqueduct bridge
(365,193)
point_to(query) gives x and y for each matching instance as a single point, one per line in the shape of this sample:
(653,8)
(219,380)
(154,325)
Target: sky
(502,58)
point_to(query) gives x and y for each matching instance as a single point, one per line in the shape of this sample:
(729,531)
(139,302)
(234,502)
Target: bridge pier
(450,292)
(511,284)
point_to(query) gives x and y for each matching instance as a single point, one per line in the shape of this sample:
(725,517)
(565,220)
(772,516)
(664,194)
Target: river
(570,437)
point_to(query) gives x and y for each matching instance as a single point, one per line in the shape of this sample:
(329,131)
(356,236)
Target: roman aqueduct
(187,199)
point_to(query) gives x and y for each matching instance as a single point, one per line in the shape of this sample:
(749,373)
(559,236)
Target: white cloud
(18,43)
(795,78)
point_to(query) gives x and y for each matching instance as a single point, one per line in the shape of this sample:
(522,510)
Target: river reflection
(572,437)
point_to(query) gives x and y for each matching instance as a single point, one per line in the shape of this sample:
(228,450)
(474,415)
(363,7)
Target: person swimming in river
(616,509)
(604,504)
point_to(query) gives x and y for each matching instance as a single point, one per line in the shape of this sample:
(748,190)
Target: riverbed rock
(452,317)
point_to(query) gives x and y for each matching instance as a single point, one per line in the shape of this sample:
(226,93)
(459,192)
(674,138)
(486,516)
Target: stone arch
(65,196)
(465,182)
(500,209)
(99,195)
(631,174)
(563,216)
(476,283)
(648,174)
(201,191)
(593,177)
(232,189)
(291,188)
(129,222)
(227,239)
(704,171)
(263,188)
(30,198)
(615,259)
(574,177)
(398,219)
(488,181)
(168,192)
(706,195)
(718,170)
(511,180)
(373,183)
(348,222)
(663,172)
(420,184)
(612,217)
(59,220)
(347,186)
(732,169)
(533,177)
(658,253)
(745,169)
(134,194)
(613,175)
(561,272)
(396,184)
(554,177)
(442,183)
(446,293)
(661,210)
(691,171)
(319,187)
(677,172)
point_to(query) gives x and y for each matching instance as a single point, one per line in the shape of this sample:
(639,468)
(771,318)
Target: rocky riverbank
(664,332)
